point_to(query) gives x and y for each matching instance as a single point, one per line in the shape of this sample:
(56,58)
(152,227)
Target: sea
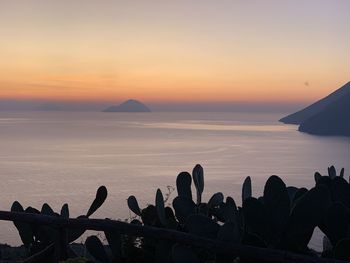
(63,157)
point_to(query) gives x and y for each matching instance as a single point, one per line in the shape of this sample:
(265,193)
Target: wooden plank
(254,253)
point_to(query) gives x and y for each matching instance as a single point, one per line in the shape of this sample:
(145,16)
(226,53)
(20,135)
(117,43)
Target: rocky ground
(10,254)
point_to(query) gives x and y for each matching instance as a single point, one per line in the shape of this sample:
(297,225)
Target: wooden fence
(254,253)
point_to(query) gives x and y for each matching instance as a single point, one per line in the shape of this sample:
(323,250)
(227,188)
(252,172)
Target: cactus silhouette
(284,217)
(37,238)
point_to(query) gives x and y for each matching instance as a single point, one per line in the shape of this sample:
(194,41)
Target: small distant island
(328,116)
(129,106)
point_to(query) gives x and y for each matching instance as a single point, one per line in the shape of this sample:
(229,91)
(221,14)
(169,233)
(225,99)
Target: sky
(173,52)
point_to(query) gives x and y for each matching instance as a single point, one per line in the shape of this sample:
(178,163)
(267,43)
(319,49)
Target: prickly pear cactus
(41,240)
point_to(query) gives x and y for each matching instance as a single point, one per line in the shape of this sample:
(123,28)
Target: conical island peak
(130,105)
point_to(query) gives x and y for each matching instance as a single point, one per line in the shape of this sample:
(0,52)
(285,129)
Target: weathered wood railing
(254,253)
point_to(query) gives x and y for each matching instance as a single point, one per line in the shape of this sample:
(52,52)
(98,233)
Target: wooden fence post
(254,253)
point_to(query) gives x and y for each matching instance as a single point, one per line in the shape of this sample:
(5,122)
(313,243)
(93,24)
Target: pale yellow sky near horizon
(173,51)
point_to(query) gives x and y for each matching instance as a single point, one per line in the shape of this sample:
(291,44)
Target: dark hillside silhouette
(333,120)
(304,114)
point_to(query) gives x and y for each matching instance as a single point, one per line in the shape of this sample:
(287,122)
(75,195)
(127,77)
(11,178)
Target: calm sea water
(62,157)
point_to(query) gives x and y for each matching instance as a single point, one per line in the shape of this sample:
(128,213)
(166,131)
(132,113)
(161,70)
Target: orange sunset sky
(173,51)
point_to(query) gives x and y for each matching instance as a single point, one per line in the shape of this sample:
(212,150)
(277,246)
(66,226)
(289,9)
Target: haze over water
(62,157)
